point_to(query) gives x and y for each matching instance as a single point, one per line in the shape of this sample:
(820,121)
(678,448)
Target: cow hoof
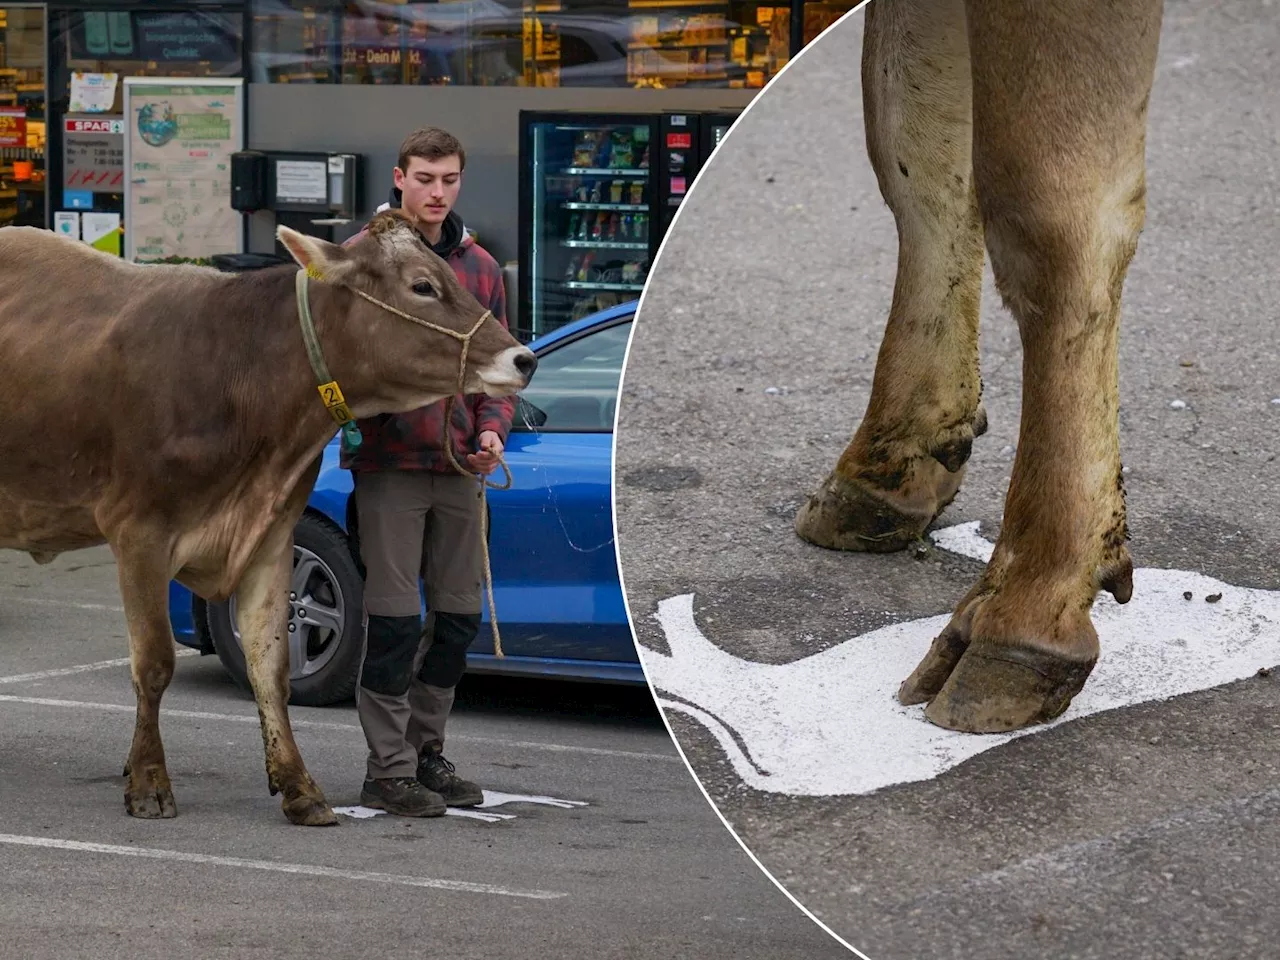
(848,514)
(153,804)
(932,671)
(998,689)
(309,811)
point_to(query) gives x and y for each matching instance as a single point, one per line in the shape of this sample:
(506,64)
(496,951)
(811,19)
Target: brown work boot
(436,773)
(403,796)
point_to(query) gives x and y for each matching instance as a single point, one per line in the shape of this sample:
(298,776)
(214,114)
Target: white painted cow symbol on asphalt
(831,724)
(492,798)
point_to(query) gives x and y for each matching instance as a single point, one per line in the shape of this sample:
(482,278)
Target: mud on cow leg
(262,611)
(144,589)
(906,460)
(1061,181)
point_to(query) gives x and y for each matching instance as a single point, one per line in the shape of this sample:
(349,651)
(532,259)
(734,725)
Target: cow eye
(423,288)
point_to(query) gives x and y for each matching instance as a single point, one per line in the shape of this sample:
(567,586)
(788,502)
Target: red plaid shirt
(415,440)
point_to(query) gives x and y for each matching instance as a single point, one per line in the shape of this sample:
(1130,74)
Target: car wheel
(326,619)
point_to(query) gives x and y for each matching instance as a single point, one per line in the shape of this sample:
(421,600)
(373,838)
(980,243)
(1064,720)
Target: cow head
(412,365)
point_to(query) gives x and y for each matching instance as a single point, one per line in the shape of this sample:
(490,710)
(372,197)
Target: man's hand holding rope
(490,454)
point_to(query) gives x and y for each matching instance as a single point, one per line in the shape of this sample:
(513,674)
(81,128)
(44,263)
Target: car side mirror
(527,414)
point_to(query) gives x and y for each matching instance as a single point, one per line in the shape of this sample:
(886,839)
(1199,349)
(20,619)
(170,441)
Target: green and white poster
(179,139)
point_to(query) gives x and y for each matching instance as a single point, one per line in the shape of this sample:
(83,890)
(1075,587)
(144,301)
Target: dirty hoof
(998,689)
(309,811)
(156,803)
(846,514)
(932,671)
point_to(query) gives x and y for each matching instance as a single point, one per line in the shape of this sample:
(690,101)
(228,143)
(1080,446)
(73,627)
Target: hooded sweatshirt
(415,440)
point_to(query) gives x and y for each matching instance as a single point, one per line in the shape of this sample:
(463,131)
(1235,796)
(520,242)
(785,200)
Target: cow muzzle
(509,372)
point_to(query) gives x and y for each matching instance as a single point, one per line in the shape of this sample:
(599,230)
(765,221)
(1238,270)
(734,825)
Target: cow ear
(319,257)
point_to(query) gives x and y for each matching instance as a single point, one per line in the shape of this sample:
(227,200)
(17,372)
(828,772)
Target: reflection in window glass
(576,386)
(533,43)
(163,43)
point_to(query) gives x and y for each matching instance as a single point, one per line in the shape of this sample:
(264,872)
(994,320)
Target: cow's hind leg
(906,459)
(1060,105)
(144,579)
(262,616)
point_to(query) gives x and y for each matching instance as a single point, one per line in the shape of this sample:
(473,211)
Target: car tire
(326,606)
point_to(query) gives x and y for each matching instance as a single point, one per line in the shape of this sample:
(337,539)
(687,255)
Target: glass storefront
(661,44)
(86,159)
(23,124)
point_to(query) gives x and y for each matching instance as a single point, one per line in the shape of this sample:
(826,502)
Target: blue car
(559,601)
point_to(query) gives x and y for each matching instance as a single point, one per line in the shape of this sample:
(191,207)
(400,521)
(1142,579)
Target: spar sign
(93,153)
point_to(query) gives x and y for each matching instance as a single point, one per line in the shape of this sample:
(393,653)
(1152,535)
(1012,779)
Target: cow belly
(46,530)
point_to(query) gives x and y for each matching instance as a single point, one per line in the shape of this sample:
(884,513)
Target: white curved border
(613,474)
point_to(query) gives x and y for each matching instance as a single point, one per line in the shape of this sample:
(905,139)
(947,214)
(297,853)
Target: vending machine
(597,194)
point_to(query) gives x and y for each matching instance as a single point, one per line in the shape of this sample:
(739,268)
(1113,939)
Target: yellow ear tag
(313,273)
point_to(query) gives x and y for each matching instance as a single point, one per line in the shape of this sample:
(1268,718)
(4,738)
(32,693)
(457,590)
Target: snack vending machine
(597,193)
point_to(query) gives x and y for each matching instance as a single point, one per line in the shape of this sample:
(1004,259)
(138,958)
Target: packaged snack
(621,151)
(615,191)
(584,270)
(595,192)
(572,270)
(597,228)
(637,192)
(584,151)
(612,233)
(583,193)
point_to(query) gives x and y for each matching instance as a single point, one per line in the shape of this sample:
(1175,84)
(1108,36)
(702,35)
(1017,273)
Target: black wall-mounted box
(249,181)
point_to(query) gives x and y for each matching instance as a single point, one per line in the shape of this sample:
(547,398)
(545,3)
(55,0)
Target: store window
(536,43)
(90,54)
(22,116)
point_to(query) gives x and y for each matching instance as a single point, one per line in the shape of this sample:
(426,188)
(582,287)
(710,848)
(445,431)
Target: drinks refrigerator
(598,192)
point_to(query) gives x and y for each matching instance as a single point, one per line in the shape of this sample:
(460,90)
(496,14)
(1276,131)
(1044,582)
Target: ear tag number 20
(336,403)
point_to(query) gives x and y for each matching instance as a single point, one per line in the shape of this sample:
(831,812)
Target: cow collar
(330,393)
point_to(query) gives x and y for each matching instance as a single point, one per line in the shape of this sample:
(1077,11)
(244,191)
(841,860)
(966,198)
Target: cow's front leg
(1060,98)
(907,457)
(262,608)
(142,567)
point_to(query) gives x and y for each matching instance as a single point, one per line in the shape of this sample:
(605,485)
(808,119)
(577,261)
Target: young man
(417,517)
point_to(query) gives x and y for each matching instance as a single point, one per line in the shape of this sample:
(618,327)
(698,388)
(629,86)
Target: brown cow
(1022,126)
(172,412)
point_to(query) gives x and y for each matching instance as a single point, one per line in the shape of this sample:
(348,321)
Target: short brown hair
(431,143)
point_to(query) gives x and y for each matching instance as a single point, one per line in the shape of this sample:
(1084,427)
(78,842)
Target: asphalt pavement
(597,842)
(1145,831)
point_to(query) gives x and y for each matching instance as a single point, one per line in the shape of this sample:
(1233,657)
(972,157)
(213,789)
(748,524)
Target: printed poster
(101,231)
(179,139)
(66,223)
(92,92)
(13,127)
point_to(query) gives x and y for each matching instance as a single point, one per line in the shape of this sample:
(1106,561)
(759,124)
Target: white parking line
(73,604)
(297,723)
(459,886)
(81,668)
